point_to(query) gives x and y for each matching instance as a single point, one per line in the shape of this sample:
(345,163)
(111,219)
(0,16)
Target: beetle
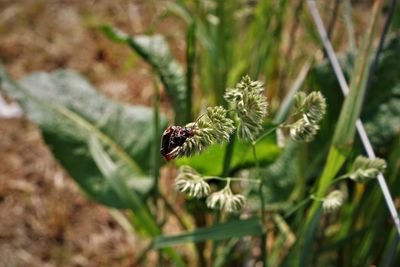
(172,139)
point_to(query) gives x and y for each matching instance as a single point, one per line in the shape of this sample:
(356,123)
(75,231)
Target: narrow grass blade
(345,130)
(349,26)
(190,66)
(155,50)
(237,228)
(360,80)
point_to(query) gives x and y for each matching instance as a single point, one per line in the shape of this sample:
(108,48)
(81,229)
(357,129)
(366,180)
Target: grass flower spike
(365,169)
(333,201)
(312,107)
(303,130)
(250,105)
(191,183)
(212,128)
(225,200)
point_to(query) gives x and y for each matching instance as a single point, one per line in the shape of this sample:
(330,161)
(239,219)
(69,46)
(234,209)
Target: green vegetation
(314,203)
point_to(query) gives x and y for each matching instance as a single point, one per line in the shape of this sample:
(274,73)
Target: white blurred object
(11,110)
(280,138)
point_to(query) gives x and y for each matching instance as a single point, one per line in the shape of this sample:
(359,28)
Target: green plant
(306,194)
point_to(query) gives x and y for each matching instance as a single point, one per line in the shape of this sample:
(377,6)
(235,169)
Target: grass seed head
(250,105)
(333,201)
(191,183)
(365,169)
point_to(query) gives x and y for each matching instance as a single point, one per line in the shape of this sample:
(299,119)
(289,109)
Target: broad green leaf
(210,162)
(69,111)
(117,179)
(237,228)
(155,51)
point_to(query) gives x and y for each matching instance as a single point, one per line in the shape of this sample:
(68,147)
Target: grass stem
(262,203)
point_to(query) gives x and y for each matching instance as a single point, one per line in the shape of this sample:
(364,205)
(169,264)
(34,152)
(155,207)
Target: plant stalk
(263,236)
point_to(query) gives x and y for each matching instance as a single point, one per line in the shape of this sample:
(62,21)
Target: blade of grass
(345,89)
(332,21)
(237,228)
(348,119)
(155,51)
(349,26)
(190,64)
(156,122)
(156,155)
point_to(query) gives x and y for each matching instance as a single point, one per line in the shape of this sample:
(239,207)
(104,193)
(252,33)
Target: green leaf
(117,180)
(69,111)
(155,51)
(351,110)
(210,162)
(237,228)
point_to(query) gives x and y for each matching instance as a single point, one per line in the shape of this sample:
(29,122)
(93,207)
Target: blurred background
(45,218)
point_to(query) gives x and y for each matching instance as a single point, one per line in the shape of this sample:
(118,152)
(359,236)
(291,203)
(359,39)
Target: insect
(172,139)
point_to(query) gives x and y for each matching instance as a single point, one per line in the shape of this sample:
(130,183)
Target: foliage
(70,112)
(264,190)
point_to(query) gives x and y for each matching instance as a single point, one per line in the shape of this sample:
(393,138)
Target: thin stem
(261,196)
(340,178)
(298,206)
(266,133)
(226,179)
(228,155)
(156,155)
(228,183)
(260,138)
(320,199)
